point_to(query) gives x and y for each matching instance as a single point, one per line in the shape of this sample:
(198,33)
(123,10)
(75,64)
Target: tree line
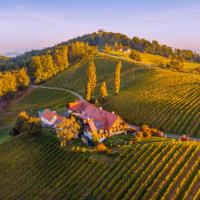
(11,81)
(136,43)
(47,65)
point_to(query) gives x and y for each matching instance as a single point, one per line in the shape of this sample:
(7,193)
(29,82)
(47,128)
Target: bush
(25,123)
(139,134)
(102,148)
(135,56)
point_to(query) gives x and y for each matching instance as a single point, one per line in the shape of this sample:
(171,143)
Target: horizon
(37,25)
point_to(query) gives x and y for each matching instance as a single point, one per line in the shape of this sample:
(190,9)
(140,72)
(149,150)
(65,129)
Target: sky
(35,24)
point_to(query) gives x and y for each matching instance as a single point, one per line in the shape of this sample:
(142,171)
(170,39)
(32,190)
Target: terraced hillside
(160,98)
(38,169)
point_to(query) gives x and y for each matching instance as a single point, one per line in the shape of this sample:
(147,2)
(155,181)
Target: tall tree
(60,57)
(92,77)
(67,130)
(88,91)
(117,77)
(103,90)
(22,78)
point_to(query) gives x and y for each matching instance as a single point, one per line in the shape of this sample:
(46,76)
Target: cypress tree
(117,77)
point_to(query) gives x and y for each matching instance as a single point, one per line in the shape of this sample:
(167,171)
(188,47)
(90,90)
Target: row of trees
(11,81)
(92,81)
(46,66)
(78,50)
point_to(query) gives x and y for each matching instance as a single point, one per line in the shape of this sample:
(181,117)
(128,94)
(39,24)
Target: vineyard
(38,169)
(160,98)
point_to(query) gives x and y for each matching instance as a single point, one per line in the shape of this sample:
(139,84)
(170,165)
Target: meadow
(164,99)
(37,168)
(37,99)
(151,59)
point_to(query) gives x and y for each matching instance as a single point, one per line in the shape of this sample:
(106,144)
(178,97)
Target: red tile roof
(50,115)
(101,118)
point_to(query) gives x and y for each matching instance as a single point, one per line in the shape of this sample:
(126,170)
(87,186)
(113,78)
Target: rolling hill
(164,99)
(36,168)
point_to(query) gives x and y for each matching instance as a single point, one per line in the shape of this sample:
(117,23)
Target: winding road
(60,89)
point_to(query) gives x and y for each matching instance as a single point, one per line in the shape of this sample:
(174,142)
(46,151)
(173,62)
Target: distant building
(97,120)
(123,49)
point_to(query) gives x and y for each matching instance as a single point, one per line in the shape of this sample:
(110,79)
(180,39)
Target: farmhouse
(97,120)
(50,118)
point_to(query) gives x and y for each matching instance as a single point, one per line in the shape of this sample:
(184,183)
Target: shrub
(135,56)
(147,133)
(25,123)
(102,148)
(139,134)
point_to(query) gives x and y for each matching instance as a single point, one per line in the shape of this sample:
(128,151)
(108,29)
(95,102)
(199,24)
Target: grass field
(38,169)
(151,59)
(160,98)
(36,100)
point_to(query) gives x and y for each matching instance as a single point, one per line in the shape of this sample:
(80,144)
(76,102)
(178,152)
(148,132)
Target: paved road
(60,89)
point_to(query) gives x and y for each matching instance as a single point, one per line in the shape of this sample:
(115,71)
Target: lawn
(38,99)
(4,134)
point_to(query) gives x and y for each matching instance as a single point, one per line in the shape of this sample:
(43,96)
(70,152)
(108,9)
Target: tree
(60,57)
(67,130)
(28,124)
(36,60)
(22,78)
(103,90)
(88,91)
(92,78)
(176,64)
(135,56)
(117,77)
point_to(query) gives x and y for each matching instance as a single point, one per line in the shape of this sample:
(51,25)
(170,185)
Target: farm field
(160,98)
(38,168)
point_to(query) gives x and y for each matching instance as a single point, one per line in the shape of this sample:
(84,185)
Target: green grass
(160,98)
(41,98)
(38,99)
(4,135)
(36,168)
(151,59)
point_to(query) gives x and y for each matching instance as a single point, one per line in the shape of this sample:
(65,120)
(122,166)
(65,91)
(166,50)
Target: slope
(36,168)
(160,98)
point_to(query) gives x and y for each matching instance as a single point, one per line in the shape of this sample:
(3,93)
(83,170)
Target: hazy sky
(33,24)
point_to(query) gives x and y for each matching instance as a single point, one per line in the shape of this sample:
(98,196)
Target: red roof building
(97,119)
(50,118)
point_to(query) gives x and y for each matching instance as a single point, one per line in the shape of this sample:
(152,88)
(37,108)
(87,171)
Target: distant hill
(100,39)
(4,58)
